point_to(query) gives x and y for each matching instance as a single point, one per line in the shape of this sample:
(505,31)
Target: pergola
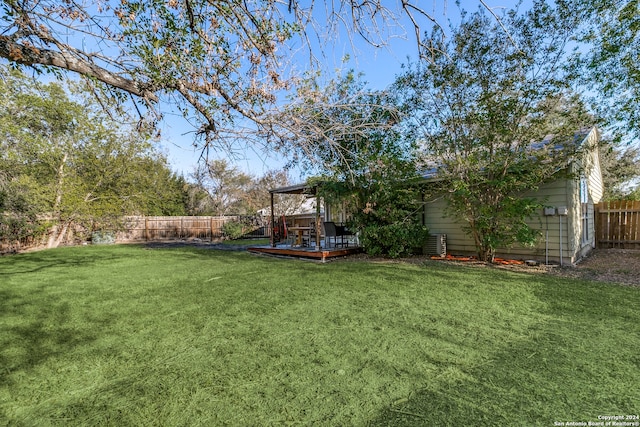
(310,190)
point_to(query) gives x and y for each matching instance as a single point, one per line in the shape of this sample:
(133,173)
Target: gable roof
(584,138)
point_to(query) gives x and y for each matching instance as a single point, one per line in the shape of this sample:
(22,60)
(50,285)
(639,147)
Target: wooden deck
(307,253)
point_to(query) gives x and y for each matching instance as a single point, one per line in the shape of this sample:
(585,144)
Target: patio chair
(331,231)
(343,231)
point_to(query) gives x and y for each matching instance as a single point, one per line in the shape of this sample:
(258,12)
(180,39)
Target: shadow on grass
(33,262)
(35,328)
(577,364)
(514,388)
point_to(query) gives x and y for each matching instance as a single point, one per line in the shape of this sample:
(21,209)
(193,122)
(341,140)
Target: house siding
(588,167)
(556,231)
(593,170)
(561,238)
(553,194)
(439,223)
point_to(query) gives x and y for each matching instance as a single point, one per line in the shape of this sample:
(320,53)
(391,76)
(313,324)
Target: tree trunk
(486,254)
(62,234)
(54,235)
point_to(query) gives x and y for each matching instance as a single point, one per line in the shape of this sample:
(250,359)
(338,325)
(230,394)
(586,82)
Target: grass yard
(123,336)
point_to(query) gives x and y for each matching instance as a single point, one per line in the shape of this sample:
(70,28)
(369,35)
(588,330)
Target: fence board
(618,224)
(186,227)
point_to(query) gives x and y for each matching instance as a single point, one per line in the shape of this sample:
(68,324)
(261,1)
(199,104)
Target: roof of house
(431,173)
(307,207)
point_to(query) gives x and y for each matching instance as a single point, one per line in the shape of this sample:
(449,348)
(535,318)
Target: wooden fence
(618,224)
(187,227)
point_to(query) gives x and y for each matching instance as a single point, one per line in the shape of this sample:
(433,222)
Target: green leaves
(481,111)
(609,36)
(369,169)
(79,169)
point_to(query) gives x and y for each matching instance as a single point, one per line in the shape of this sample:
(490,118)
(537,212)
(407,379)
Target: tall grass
(124,335)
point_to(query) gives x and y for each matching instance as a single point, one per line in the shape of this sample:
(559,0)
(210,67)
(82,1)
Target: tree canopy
(66,165)
(373,174)
(227,66)
(224,65)
(494,119)
(620,170)
(608,34)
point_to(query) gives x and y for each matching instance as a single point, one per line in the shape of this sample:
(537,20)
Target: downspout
(424,219)
(546,242)
(563,211)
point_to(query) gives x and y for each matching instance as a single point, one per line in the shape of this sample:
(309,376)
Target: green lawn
(123,336)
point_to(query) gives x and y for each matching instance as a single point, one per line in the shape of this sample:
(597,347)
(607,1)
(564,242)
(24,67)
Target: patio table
(300,233)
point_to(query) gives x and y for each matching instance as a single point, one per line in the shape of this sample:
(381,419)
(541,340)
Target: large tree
(620,170)
(257,197)
(225,65)
(496,118)
(67,161)
(373,175)
(608,34)
(224,185)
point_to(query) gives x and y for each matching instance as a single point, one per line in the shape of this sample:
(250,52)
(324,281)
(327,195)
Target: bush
(18,231)
(394,240)
(233,229)
(385,211)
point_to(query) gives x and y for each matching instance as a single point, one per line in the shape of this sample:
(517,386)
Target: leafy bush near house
(395,240)
(385,211)
(234,229)
(370,172)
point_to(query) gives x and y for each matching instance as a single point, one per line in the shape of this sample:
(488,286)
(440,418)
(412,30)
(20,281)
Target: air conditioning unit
(436,245)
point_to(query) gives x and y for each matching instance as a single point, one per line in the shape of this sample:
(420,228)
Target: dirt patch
(606,265)
(602,265)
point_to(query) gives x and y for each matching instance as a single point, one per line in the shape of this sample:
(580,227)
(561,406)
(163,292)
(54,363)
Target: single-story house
(567,223)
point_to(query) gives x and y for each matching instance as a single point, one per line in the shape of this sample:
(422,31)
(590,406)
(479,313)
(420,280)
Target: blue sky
(379,66)
(379,70)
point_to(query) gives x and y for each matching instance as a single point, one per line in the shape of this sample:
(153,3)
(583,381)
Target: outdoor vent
(436,245)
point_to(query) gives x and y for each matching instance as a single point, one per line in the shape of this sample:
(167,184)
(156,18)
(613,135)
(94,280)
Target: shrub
(394,240)
(103,237)
(233,229)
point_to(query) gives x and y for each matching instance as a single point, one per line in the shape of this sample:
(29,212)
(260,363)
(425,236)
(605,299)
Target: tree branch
(30,56)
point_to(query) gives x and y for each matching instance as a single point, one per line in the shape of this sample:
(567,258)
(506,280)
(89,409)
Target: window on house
(584,209)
